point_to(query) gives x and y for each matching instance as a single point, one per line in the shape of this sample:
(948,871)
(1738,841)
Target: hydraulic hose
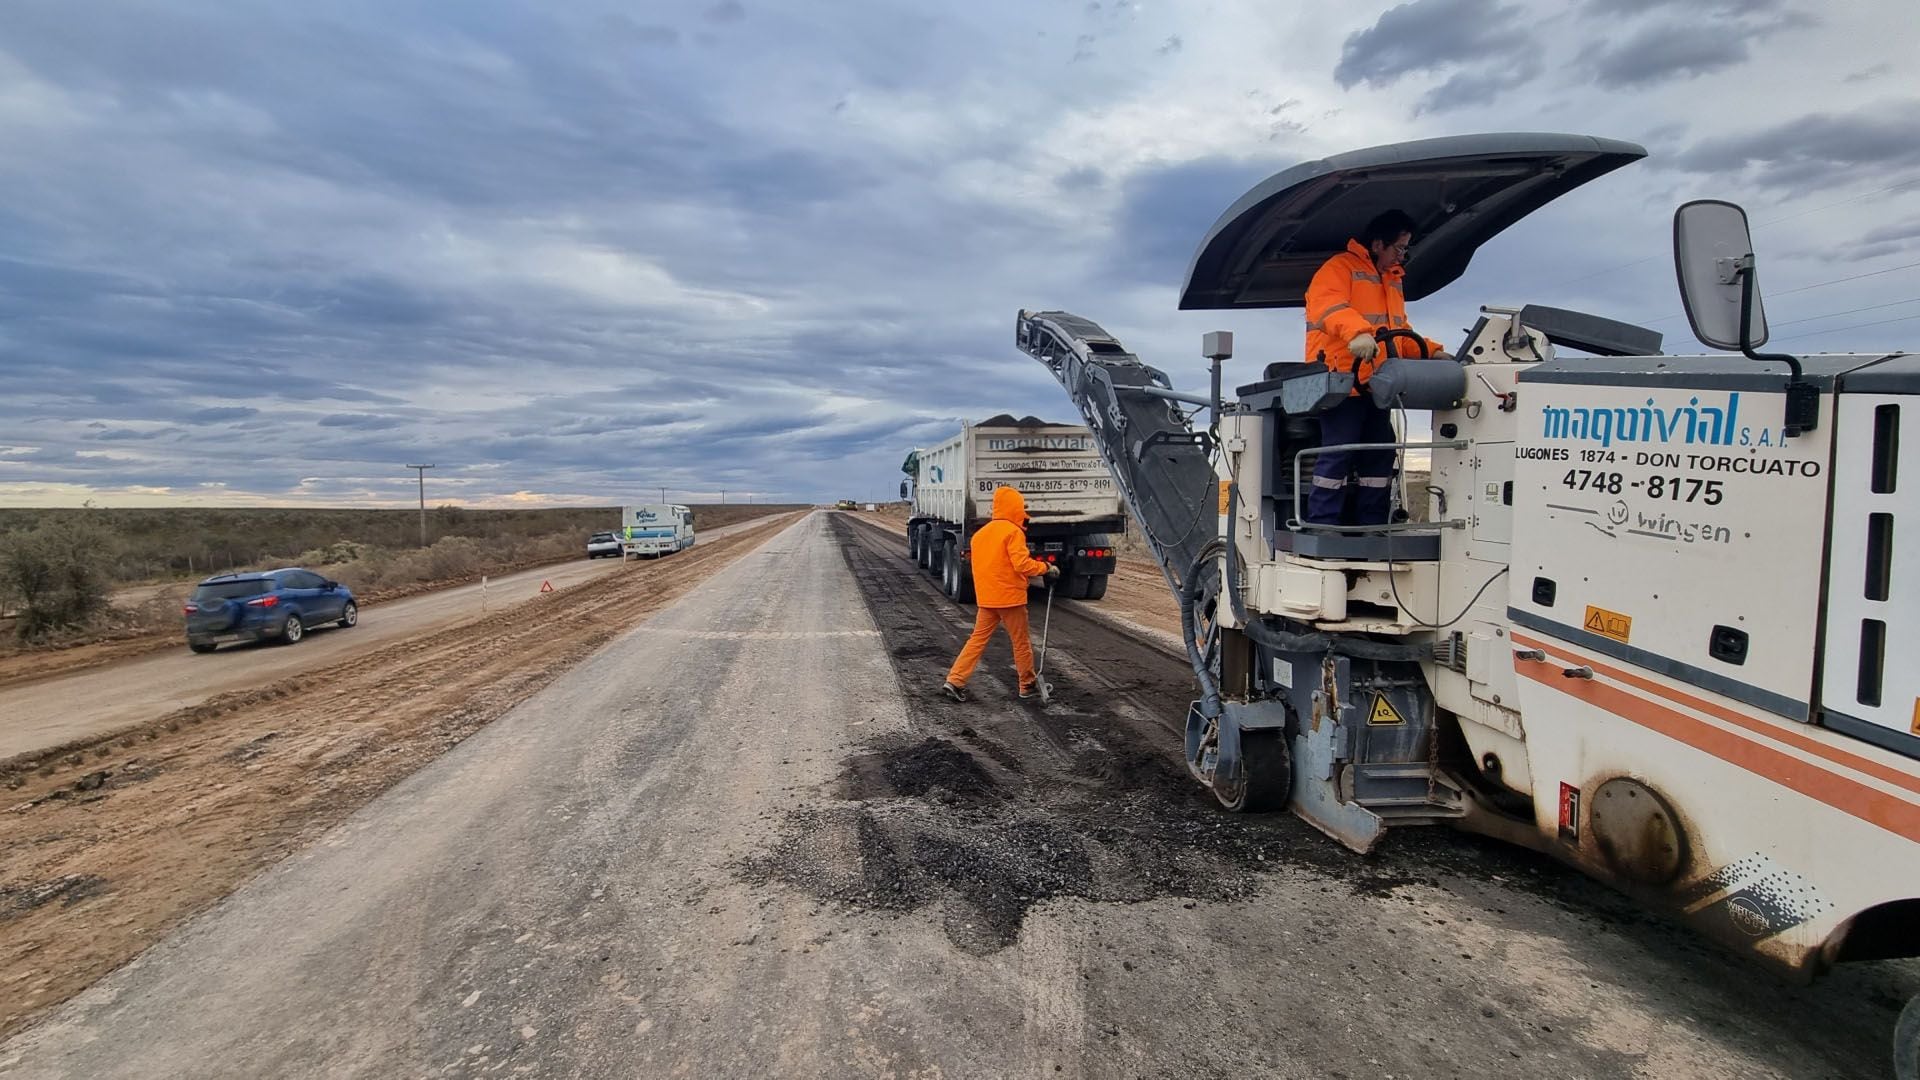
(1189,627)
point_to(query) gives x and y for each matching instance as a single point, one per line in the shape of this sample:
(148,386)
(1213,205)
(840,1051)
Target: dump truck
(1653,627)
(1073,506)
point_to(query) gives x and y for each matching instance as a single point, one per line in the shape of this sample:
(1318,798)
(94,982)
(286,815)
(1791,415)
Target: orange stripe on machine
(1869,804)
(1786,735)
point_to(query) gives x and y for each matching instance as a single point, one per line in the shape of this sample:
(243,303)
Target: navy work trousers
(1353,487)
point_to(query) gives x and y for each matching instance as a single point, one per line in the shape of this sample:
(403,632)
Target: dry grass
(375,552)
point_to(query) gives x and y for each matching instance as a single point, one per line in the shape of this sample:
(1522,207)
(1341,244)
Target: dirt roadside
(136,607)
(113,844)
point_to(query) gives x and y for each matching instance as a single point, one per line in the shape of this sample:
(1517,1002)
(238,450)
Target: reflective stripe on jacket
(1349,297)
(1001,562)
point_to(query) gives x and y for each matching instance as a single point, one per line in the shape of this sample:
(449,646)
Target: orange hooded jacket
(1001,564)
(1349,297)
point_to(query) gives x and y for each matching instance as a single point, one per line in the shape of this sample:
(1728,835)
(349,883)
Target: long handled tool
(1040,670)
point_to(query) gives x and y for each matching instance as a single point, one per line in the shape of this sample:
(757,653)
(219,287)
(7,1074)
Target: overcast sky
(575,252)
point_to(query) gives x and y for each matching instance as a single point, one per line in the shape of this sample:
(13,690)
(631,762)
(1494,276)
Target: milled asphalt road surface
(582,889)
(50,712)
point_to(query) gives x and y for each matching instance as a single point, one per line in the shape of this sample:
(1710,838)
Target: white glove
(1363,347)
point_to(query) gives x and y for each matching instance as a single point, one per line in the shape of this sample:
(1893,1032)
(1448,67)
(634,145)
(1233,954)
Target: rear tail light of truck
(1097,553)
(264,601)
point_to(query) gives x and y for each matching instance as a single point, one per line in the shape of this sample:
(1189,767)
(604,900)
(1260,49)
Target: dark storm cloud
(560,248)
(1082,178)
(1168,210)
(1896,239)
(1466,88)
(1882,139)
(359,421)
(1639,7)
(221,414)
(1428,35)
(131,435)
(1663,52)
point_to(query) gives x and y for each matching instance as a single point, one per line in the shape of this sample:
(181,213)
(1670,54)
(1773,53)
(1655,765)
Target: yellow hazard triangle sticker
(1384,712)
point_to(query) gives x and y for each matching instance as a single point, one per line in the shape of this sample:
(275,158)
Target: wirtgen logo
(1691,424)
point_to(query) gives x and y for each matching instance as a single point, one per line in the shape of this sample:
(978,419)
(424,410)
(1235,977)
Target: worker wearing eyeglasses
(1353,297)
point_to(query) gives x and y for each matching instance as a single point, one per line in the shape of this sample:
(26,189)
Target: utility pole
(422,470)
(663,494)
(723,496)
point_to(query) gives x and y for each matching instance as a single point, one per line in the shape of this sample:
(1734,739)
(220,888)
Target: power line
(1804,288)
(1843,329)
(1849,311)
(1866,195)
(1758,225)
(1837,281)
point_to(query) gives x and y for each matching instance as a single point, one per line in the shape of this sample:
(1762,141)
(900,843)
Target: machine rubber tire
(293,631)
(1906,1042)
(1268,768)
(1094,587)
(349,616)
(202,646)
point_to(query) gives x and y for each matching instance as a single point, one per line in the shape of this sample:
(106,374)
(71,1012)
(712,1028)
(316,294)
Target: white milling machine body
(1652,628)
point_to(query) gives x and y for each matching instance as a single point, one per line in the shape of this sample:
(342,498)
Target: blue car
(281,604)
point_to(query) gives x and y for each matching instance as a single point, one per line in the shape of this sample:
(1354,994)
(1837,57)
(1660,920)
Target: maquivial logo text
(1692,424)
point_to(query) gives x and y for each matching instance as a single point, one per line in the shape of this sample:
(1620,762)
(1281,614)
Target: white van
(655,529)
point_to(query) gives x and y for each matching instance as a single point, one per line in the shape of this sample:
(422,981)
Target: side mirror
(1713,253)
(903,489)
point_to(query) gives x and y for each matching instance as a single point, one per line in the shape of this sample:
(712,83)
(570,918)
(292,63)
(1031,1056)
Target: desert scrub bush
(455,556)
(55,574)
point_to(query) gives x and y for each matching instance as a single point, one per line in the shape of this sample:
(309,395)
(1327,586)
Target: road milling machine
(1652,622)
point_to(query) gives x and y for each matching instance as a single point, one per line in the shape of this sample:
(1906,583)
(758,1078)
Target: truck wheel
(935,549)
(1094,588)
(1906,1042)
(949,572)
(913,542)
(959,578)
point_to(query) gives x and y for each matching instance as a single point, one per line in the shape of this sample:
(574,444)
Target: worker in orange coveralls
(1355,294)
(1001,567)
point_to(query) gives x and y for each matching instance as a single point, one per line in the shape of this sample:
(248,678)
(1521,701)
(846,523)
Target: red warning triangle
(546,586)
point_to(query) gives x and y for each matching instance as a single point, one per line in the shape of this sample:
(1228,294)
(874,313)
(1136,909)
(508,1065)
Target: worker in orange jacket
(1352,296)
(1001,567)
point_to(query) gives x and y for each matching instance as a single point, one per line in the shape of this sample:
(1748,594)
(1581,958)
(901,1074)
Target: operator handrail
(1298,523)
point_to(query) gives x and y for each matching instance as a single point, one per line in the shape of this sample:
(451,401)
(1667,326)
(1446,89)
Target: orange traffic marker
(546,586)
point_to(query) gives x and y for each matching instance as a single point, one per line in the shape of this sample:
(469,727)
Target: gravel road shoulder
(112,844)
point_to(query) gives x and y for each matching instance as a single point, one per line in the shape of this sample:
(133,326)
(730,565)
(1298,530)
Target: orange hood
(1008,505)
